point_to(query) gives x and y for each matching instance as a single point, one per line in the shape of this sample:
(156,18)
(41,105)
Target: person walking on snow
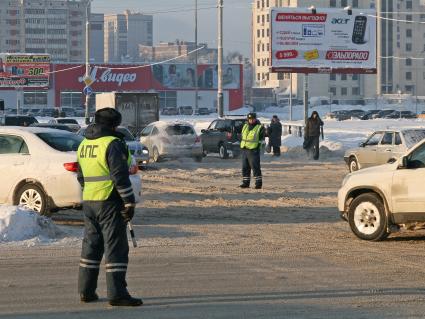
(313,130)
(275,135)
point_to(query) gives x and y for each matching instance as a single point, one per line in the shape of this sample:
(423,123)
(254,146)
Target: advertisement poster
(24,70)
(328,41)
(182,76)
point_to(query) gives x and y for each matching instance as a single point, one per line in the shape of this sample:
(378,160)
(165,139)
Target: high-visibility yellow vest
(250,138)
(92,160)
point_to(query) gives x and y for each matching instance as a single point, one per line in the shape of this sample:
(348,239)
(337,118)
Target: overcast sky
(174,19)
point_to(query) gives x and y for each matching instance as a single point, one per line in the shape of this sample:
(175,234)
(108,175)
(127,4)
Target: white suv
(378,200)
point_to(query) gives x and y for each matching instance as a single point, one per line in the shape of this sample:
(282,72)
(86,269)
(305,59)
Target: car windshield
(413,137)
(127,135)
(178,129)
(64,142)
(67,121)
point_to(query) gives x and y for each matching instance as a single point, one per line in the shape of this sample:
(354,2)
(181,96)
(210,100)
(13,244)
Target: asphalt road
(210,250)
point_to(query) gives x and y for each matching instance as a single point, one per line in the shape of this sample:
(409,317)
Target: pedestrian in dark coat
(275,135)
(313,130)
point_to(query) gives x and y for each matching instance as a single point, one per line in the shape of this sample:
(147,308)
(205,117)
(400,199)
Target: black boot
(243,185)
(126,302)
(258,186)
(89,297)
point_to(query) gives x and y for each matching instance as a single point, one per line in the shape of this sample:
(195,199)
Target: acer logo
(340,20)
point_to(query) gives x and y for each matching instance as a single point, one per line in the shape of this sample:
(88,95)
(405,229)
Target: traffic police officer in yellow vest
(108,203)
(252,136)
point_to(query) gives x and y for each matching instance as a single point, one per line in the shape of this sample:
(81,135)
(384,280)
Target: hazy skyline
(175,20)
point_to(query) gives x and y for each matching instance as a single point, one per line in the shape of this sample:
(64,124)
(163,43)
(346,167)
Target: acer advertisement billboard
(328,41)
(163,77)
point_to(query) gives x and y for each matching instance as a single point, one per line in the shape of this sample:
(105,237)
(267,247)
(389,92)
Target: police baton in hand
(133,237)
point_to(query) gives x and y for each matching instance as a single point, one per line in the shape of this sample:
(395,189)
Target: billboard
(182,76)
(24,70)
(328,41)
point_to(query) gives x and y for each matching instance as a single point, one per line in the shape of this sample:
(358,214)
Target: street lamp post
(220,60)
(196,57)
(87,75)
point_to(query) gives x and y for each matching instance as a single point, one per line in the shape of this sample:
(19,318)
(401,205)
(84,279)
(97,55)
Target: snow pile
(292,147)
(19,224)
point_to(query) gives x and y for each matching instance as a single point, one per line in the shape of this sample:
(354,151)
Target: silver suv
(382,147)
(379,200)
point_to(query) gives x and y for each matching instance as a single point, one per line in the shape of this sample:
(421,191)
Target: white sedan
(38,169)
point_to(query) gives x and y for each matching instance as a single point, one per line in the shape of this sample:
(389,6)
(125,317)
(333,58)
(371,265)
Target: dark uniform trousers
(313,150)
(251,161)
(105,233)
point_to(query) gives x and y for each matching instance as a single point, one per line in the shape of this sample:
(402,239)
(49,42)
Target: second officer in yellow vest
(108,203)
(252,136)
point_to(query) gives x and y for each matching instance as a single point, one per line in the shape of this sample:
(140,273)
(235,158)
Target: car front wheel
(222,150)
(367,217)
(353,165)
(32,196)
(155,155)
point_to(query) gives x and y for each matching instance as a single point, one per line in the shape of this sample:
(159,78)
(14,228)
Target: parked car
(381,114)
(171,140)
(72,123)
(356,114)
(369,114)
(139,151)
(377,201)
(67,111)
(54,126)
(51,112)
(401,115)
(382,147)
(341,115)
(203,111)
(38,168)
(223,137)
(17,120)
(170,111)
(185,110)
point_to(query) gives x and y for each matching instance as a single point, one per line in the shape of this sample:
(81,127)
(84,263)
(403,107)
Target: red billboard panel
(24,70)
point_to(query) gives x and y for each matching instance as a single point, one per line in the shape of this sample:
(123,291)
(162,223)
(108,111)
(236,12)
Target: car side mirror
(404,162)
(362,144)
(203,131)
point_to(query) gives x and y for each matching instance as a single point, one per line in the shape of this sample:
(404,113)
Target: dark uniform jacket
(117,156)
(313,127)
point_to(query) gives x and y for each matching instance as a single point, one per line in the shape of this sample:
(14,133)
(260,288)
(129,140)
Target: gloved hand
(128,212)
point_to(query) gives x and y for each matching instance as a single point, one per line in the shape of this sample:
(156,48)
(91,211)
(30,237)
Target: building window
(258,62)
(71,99)
(409,88)
(262,3)
(262,19)
(263,47)
(408,75)
(343,91)
(258,33)
(343,77)
(408,62)
(258,77)
(408,33)
(167,99)
(268,3)
(258,4)
(409,4)
(268,32)
(343,3)
(409,47)
(355,3)
(355,91)
(36,98)
(268,18)
(280,76)
(262,33)
(258,19)
(332,90)
(258,47)
(332,4)
(423,75)
(409,17)
(422,17)
(332,77)
(355,77)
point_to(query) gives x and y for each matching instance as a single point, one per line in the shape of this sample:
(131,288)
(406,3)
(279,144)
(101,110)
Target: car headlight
(145,151)
(345,180)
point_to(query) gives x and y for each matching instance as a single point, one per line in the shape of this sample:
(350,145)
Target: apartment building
(169,50)
(56,27)
(123,34)
(270,86)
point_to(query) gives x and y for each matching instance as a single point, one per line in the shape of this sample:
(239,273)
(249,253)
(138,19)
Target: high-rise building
(56,27)
(96,37)
(124,33)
